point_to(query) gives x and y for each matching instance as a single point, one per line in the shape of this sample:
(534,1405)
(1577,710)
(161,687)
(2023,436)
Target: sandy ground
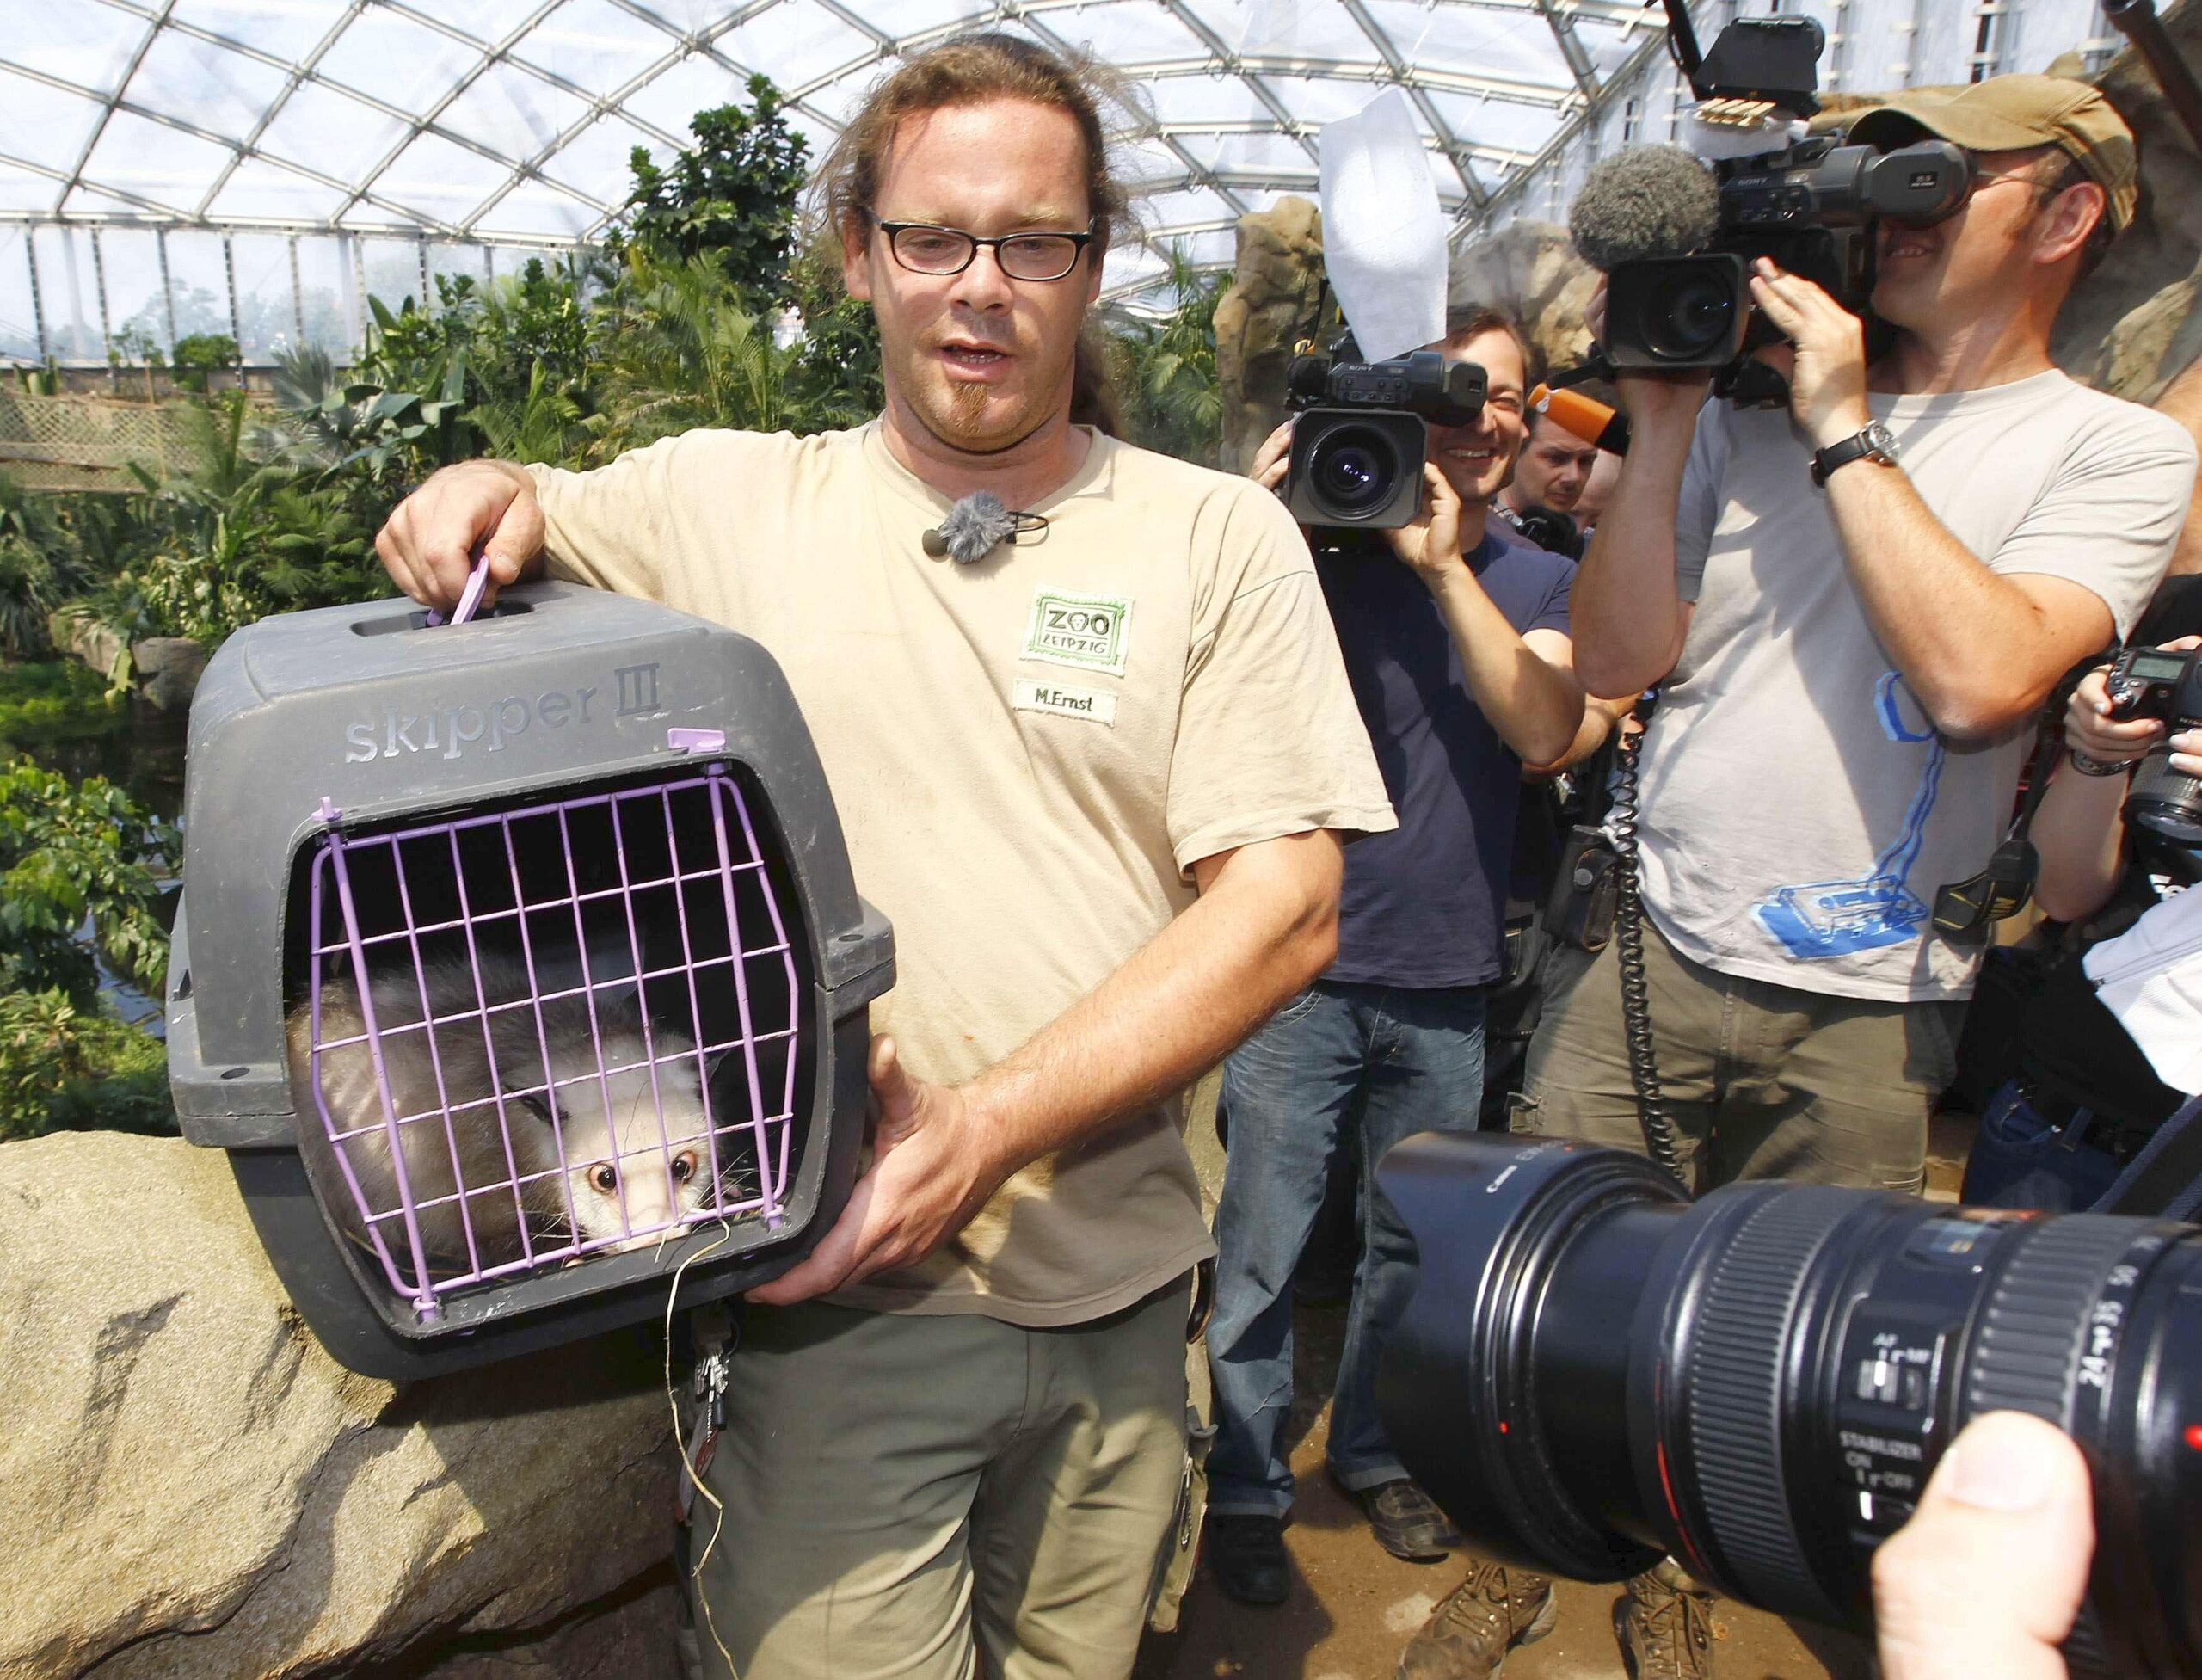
(1353,1606)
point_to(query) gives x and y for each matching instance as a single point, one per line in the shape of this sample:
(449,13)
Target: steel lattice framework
(187,152)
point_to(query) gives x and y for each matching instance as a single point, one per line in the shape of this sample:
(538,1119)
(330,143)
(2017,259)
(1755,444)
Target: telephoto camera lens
(1596,1372)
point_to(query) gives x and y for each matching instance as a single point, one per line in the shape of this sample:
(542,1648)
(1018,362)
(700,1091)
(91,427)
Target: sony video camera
(1357,442)
(1809,206)
(2146,682)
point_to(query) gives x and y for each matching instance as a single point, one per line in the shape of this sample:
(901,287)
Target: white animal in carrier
(518,964)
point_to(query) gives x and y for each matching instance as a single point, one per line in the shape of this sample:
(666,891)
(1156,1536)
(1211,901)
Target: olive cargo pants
(930,1497)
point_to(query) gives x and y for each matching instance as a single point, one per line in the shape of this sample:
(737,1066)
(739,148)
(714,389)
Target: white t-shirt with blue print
(1799,809)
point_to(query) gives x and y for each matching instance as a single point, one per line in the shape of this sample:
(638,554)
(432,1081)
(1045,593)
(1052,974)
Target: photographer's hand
(1273,459)
(1987,1576)
(2090,728)
(1824,359)
(1431,544)
(1525,685)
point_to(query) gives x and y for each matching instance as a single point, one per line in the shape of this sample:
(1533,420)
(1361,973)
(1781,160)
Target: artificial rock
(190,1488)
(1259,322)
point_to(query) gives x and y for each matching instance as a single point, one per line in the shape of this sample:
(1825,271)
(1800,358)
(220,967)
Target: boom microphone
(1644,201)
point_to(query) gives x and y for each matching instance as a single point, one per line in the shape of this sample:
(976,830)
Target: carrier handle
(470,599)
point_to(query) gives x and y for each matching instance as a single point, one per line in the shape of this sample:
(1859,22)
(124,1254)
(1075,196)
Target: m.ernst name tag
(1052,697)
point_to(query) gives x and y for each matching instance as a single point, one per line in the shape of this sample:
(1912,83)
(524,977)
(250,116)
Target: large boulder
(1269,308)
(191,1489)
(1530,271)
(168,668)
(2117,331)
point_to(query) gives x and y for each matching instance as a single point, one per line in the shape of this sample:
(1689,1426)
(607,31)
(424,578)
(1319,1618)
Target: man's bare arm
(1264,925)
(1626,613)
(1980,650)
(1600,717)
(1524,683)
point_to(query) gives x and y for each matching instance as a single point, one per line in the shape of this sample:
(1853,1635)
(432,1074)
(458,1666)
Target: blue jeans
(1391,1062)
(2017,1159)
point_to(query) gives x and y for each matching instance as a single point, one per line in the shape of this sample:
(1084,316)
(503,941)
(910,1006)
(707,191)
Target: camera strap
(1967,909)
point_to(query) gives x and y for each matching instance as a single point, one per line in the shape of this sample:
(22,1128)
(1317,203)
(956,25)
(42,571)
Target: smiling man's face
(979,360)
(1477,459)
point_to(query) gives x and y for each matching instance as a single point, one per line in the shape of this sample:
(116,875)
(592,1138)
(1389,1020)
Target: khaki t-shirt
(1028,754)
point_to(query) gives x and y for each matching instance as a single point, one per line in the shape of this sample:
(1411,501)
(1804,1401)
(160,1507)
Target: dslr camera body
(1358,445)
(2146,682)
(1809,206)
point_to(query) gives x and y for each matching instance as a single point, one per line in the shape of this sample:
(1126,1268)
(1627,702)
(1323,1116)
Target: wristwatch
(1876,443)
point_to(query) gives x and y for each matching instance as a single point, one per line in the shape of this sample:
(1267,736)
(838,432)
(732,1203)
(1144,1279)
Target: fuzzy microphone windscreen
(1642,202)
(973,529)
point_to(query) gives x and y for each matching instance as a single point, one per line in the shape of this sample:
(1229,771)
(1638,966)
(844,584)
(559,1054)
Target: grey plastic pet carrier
(519,962)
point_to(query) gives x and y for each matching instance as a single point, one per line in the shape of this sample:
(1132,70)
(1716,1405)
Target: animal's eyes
(684,1168)
(605,1177)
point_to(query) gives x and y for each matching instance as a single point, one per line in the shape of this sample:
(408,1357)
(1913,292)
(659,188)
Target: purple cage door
(545,1032)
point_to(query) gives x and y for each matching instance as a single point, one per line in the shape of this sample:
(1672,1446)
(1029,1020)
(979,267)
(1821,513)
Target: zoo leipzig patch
(1088,633)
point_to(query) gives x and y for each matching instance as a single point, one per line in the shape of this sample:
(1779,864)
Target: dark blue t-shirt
(1424,904)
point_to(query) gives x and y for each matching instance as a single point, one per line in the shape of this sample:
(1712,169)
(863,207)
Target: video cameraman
(1455,643)
(1849,668)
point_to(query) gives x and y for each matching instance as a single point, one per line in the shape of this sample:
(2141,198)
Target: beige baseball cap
(2014,114)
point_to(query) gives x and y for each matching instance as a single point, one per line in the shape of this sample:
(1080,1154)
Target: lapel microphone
(976,526)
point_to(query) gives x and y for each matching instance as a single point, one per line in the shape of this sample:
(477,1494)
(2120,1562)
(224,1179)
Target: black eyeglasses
(924,248)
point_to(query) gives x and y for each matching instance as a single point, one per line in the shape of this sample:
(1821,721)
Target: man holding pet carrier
(1095,762)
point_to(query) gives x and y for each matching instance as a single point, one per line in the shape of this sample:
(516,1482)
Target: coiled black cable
(1659,1135)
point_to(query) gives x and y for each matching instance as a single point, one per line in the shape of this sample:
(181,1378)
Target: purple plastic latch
(470,599)
(696,740)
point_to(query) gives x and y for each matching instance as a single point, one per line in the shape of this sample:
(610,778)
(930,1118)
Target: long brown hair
(969,70)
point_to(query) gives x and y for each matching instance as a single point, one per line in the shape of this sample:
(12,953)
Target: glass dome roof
(264,163)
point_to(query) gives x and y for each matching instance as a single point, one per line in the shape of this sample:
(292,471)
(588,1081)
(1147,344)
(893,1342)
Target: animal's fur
(509,1175)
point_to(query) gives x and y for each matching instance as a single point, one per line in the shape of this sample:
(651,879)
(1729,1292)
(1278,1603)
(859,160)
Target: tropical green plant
(54,700)
(835,380)
(730,200)
(1166,369)
(197,358)
(67,854)
(677,351)
(240,536)
(65,1067)
(42,566)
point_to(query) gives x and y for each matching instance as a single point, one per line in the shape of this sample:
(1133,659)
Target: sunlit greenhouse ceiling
(259,167)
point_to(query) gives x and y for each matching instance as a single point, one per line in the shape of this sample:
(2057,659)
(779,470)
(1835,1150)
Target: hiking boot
(1406,1521)
(1475,1625)
(1245,1553)
(1664,1625)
